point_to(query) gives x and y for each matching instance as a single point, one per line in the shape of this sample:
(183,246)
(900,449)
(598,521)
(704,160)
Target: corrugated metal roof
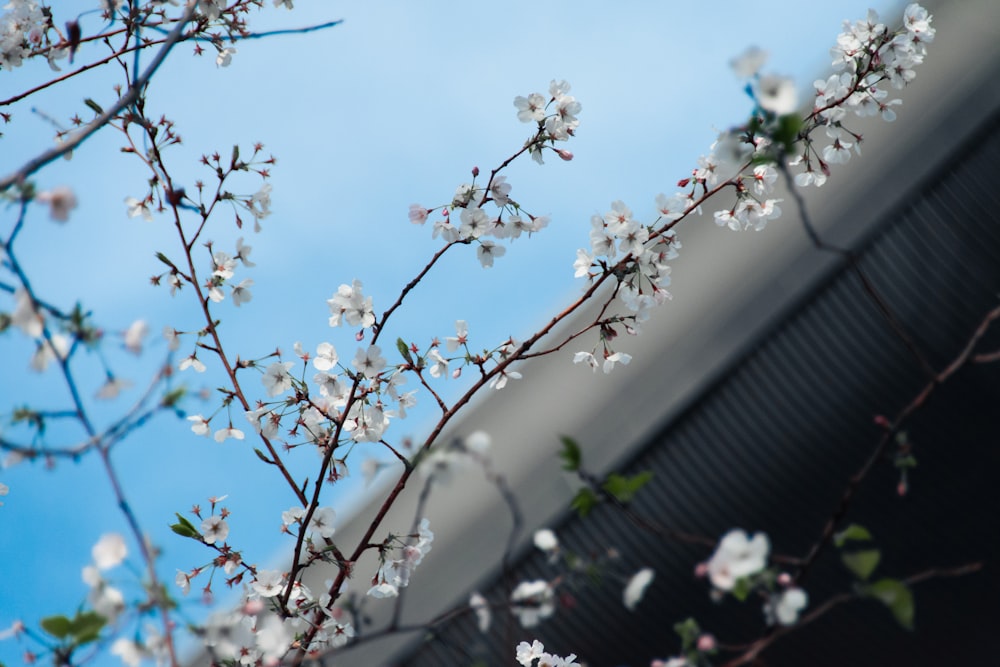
(772,443)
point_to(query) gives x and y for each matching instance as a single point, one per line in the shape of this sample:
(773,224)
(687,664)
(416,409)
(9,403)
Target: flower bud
(564,154)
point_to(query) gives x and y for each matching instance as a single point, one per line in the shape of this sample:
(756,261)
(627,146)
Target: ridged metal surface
(772,444)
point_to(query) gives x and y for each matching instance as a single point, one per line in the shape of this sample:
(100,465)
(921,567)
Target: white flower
(530,108)
(134,336)
(350,304)
(137,208)
(617,358)
(777,94)
(214,529)
(736,557)
(370,362)
(191,362)
(109,551)
(61,201)
(785,607)
(636,587)
(418,214)
(225,57)
(487,251)
(183,581)
(130,653)
(241,292)
(478,604)
(528,653)
(748,63)
(269,583)
(292,515)
(500,381)
(326,357)
(243,252)
(546,541)
(48,352)
(199,425)
(439,365)
(461,336)
(229,432)
(322,522)
(383,590)
(538,599)
(277,379)
(584,260)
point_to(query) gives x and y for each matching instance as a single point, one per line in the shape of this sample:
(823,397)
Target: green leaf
(166,260)
(57,626)
(262,457)
(570,454)
(404,350)
(742,589)
(895,595)
(185,528)
(172,398)
(862,563)
(787,130)
(86,627)
(584,501)
(624,488)
(853,532)
(236,155)
(689,632)
(94,105)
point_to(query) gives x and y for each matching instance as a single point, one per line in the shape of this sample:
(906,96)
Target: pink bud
(881,421)
(564,154)
(701,570)
(455,373)
(706,643)
(360,336)
(784,579)
(253,607)
(902,488)
(475,172)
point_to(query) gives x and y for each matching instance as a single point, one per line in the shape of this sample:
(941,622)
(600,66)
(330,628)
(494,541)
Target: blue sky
(394,106)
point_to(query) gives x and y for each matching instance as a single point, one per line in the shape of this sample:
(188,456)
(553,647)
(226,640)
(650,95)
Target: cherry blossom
(483,616)
(321,522)
(636,587)
(277,379)
(737,556)
(369,362)
(784,607)
(138,207)
(191,362)
(538,601)
(61,201)
(350,304)
(214,529)
(269,583)
(241,292)
(229,432)
(109,551)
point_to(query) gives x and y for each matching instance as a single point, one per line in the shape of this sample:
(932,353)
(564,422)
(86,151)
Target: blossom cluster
(395,573)
(867,54)
(24,28)
(535,600)
(739,564)
(556,119)
(528,653)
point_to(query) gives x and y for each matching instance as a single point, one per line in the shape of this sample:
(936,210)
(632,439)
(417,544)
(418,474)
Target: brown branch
(754,649)
(840,512)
